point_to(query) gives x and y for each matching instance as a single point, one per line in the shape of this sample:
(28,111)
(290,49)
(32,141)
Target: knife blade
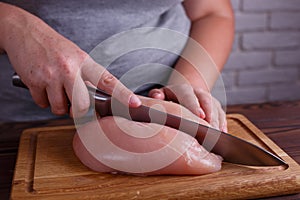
(231,148)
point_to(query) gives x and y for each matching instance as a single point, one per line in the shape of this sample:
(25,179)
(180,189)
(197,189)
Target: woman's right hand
(53,68)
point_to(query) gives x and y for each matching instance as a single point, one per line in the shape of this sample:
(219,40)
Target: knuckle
(65,64)
(107,79)
(81,107)
(124,92)
(70,64)
(39,78)
(219,107)
(206,101)
(81,55)
(200,91)
(42,104)
(82,58)
(48,76)
(59,109)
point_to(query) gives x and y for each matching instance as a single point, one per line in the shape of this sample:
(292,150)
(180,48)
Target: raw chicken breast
(115,144)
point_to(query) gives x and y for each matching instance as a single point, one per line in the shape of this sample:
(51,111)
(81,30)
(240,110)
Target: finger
(57,99)
(104,80)
(40,97)
(71,112)
(222,119)
(157,94)
(224,127)
(78,95)
(205,101)
(186,97)
(169,92)
(215,123)
(214,115)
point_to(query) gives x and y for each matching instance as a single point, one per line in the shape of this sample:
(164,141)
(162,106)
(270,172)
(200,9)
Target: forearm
(215,34)
(3,15)
(7,15)
(15,23)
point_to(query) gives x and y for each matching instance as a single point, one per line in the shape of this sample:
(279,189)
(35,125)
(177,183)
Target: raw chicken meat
(115,144)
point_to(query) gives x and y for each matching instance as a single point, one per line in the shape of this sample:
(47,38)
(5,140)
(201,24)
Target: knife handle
(16,81)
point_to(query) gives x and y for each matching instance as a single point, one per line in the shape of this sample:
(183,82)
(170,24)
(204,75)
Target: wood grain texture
(280,121)
(47,168)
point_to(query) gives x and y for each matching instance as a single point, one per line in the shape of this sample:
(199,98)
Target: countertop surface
(280,121)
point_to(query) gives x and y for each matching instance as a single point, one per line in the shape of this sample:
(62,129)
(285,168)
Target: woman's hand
(212,31)
(198,101)
(53,68)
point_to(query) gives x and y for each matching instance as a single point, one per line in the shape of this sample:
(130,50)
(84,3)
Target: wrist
(185,73)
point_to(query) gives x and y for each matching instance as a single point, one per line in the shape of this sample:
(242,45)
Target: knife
(231,148)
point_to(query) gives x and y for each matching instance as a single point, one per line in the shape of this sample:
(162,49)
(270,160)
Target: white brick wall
(264,64)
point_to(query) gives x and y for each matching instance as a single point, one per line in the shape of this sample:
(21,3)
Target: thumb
(157,94)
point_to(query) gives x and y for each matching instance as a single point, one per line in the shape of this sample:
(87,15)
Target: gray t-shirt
(118,34)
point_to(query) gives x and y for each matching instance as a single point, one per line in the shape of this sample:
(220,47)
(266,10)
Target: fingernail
(202,114)
(134,101)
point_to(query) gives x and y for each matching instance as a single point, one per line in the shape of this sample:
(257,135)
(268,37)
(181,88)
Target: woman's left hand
(198,101)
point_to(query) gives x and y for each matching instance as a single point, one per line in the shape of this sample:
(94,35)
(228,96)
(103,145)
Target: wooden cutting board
(47,168)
